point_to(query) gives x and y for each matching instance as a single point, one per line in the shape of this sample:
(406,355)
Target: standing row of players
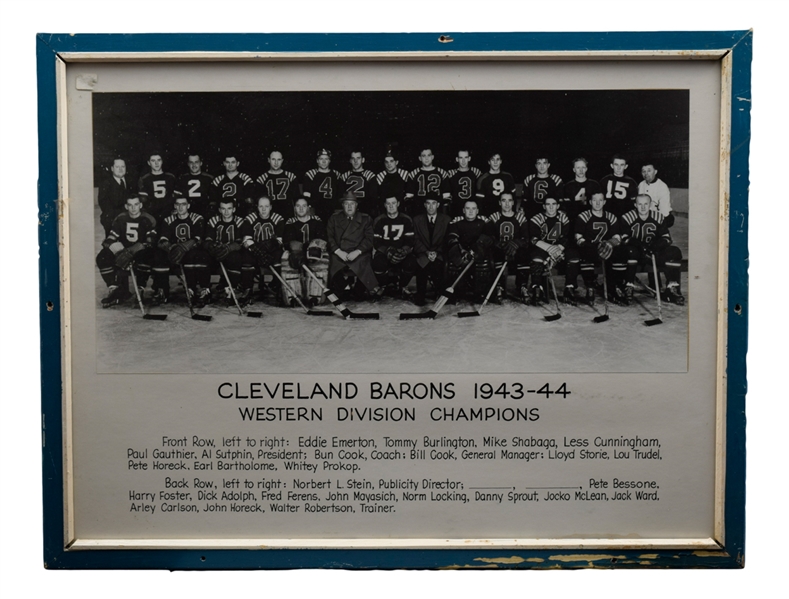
(373,255)
(323,186)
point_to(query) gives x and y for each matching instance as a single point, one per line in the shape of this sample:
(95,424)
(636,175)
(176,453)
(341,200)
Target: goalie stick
(659,319)
(341,308)
(487,297)
(145,315)
(195,316)
(449,291)
(296,297)
(233,295)
(603,317)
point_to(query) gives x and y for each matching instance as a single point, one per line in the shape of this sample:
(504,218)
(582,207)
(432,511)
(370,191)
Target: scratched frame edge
(733,49)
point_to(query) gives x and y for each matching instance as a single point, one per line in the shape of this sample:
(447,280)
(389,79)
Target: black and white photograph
(465,231)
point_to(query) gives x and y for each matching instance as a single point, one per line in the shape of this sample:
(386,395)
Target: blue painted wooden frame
(50,46)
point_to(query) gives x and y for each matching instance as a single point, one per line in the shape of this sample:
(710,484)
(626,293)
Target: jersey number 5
(132,235)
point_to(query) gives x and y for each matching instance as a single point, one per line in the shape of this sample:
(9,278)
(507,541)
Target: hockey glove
(233,246)
(605,249)
(176,254)
(124,258)
(510,249)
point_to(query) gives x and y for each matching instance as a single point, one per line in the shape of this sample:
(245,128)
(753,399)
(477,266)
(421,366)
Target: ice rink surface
(507,338)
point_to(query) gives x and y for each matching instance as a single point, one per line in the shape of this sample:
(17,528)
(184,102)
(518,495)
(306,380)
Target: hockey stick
(296,297)
(558,315)
(139,300)
(341,308)
(603,317)
(487,297)
(195,316)
(449,291)
(659,319)
(233,295)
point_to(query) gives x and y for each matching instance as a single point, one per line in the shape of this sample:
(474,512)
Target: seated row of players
(323,186)
(385,253)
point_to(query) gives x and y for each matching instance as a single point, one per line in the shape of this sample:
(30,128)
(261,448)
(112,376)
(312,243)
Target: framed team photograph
(394,301)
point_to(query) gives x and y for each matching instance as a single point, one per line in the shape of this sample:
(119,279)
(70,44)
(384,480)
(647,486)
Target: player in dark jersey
(427,180)
(323,187)
(234,185)
(304,239)
(645,233)
(576,193)
(128,244)
(180,246)
(538,186)
(467,240)
(262,237)
(394,262)
(195,186)
(492,184)
(549,234)
(223,238)
(157,189)
(279,185)
(392,180)
(461,184)
(363,184)
(114,190)
(505,227)
(620,191)
(597,237)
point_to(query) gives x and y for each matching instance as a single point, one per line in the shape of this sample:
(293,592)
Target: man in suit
(350,241)
(113,193)
(430,232)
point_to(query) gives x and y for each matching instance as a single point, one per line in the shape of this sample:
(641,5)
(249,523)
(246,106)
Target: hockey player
(394,262)
(538,186)
(645,233)
(350,239)
(597,237)
(427,180)
(180,246)
(461,184)
(262,233)
(505,227)
(234,185)
(305,243)
(195,186)
(114,190)
(467,240)
(430,234)
(492,184)
(128,244)
(363,184)
(392,180)
(658,191)
(157,189)
(549,233)
(576,193)
(223,236)
(620,190)
(279,185)
(323,186)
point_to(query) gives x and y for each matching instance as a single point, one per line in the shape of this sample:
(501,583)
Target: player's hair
(581,159)
(506,193)
(357,151)
(492,154)
(466,151)
(154,153)
(323,151)
(230,201)
(227,155)
(426,150)
(277,151)
(116,158)
(618,157)
(644,195)
(190,153)
(391,154)
(649,163)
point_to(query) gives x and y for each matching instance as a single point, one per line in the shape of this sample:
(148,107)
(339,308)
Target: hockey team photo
(392,232)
